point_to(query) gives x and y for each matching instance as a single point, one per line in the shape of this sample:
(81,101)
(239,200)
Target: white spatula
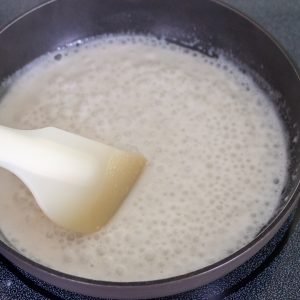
(77,182)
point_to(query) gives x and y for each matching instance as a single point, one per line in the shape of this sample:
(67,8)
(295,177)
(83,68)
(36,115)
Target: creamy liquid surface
(216,151)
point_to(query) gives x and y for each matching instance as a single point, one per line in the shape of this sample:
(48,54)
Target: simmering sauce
(216,151)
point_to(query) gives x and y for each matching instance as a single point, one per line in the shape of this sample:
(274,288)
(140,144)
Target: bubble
(58,56)
(49,235)
(70,237)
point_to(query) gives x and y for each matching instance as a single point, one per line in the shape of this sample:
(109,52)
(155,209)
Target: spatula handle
(15,148)
(33,152)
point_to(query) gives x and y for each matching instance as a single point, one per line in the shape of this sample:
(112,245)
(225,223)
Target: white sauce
(216,151)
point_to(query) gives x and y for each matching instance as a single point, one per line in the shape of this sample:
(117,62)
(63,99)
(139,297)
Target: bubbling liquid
(215,145)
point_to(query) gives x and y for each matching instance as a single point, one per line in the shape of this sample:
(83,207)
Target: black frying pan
(197,24)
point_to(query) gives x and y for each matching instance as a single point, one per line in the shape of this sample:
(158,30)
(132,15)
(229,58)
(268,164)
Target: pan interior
(216,150)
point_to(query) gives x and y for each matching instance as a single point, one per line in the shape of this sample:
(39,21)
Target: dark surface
(222,285)
(280,17)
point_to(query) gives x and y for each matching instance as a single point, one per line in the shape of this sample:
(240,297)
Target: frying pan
(207,26)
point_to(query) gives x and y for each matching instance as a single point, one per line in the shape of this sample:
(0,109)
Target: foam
(216,147)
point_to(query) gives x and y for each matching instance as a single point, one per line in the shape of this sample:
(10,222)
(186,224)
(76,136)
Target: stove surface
(271,274)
